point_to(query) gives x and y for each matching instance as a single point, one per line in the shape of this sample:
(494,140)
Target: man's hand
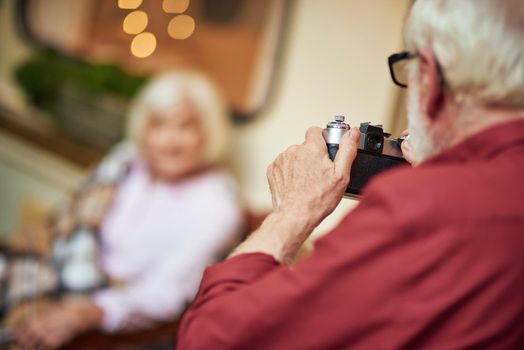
(305,182)
(306,186)
(59,325)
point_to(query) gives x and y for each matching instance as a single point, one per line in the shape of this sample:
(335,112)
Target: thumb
(407,152)
(347,151)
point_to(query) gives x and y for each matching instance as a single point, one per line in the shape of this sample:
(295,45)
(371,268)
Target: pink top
(157,239)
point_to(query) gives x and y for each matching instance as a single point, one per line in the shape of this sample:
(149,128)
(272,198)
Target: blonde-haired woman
(162,209)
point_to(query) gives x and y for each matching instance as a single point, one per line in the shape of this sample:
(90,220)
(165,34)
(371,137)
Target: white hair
(168,91)
(479,45)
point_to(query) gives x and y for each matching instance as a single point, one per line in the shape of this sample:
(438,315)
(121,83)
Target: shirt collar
(485,144)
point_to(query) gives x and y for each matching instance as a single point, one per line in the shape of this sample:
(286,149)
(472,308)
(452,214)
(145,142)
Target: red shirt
(432,258)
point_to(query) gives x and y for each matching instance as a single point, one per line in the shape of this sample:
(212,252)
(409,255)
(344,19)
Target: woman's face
(173,143)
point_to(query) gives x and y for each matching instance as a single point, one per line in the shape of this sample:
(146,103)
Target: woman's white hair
(479,45)
(168,91)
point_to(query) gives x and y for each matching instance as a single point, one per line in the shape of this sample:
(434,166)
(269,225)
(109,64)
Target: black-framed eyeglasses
(397,67)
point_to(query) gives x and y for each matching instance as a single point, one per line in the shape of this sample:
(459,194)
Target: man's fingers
(347,151)
(314,135)
(407,152)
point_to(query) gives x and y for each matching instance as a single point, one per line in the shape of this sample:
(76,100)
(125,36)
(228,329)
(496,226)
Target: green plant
(44,76)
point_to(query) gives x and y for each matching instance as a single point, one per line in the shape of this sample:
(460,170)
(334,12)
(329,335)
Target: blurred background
(68,70)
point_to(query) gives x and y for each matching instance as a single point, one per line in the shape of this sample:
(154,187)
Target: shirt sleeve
(252,302)
(167,288)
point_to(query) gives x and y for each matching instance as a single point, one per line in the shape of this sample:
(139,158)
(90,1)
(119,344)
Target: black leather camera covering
(366,166)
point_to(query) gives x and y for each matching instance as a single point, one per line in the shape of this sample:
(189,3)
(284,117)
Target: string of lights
(144,43)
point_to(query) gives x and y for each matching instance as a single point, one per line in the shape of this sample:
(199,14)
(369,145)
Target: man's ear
(431,89)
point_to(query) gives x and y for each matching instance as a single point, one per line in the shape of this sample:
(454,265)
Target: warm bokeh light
(143,45)
(181,27)
(175,6)
(135,22)
(129,4)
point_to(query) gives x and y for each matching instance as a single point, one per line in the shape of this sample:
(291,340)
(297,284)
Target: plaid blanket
(72,266)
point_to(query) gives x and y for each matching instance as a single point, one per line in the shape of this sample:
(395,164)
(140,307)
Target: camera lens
(375,143)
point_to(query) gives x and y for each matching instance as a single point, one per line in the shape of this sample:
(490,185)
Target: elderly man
(433,256)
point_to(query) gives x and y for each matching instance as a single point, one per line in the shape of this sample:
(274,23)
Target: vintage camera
(376,152)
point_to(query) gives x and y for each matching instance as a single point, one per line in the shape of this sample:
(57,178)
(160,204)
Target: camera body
(376,152)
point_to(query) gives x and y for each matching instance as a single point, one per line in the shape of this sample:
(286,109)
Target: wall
(334,62)
(30,175)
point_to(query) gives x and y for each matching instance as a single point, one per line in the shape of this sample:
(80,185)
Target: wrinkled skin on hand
(303,180)
(306,186)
